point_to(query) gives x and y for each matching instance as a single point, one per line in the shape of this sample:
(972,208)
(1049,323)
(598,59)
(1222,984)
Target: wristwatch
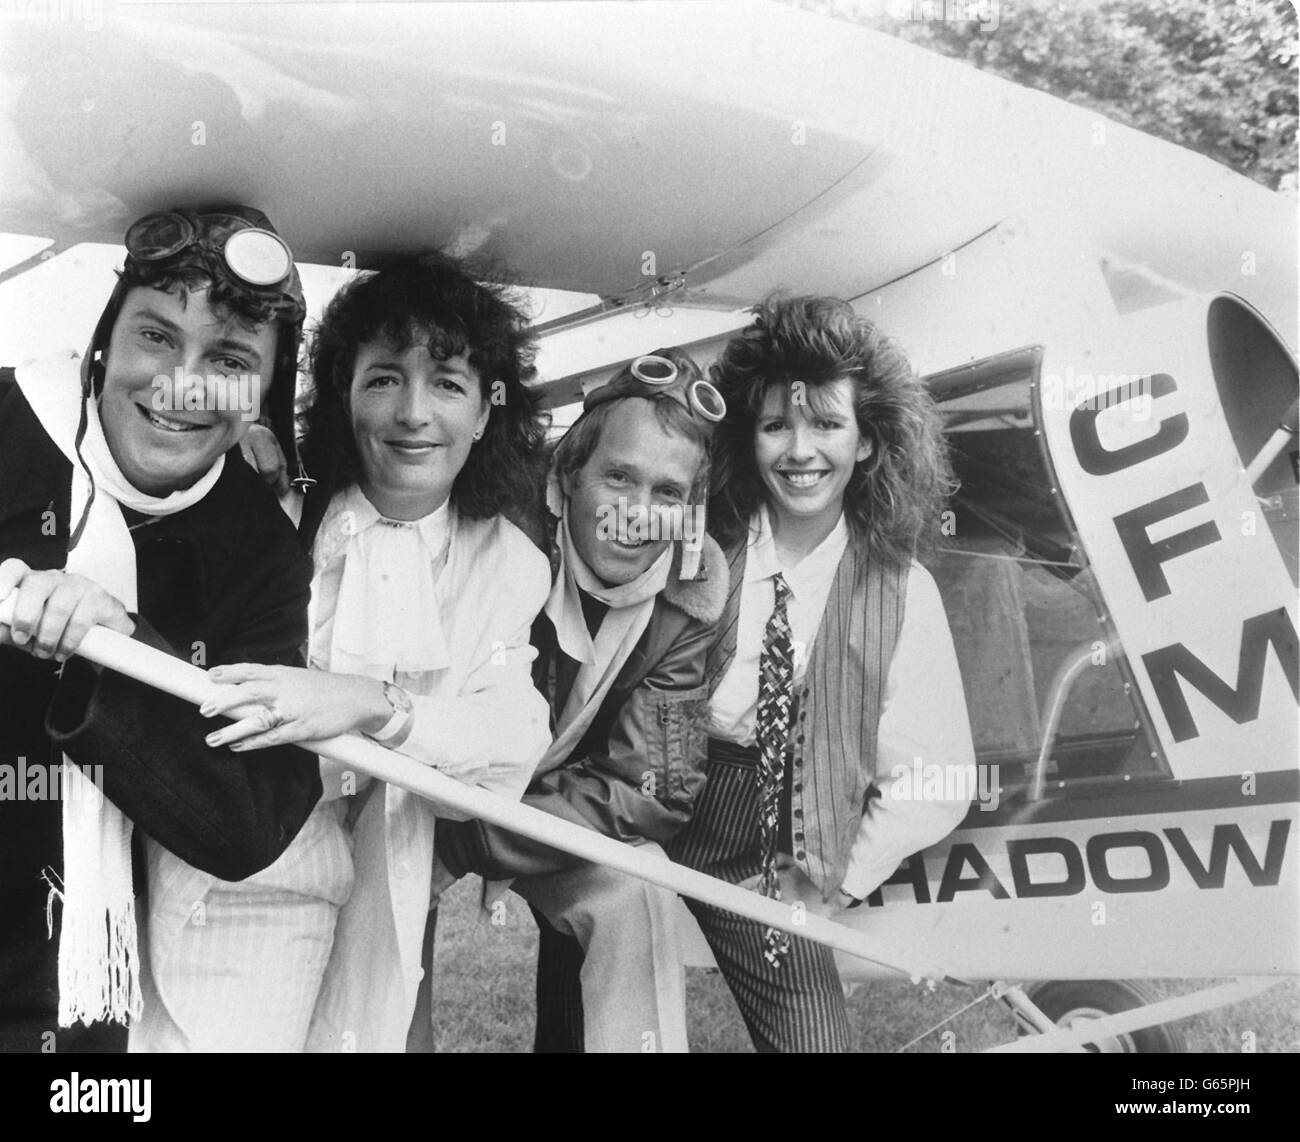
(402,706)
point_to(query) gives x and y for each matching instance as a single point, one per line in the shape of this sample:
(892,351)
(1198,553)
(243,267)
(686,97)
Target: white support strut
(1148,1015)
(155,668)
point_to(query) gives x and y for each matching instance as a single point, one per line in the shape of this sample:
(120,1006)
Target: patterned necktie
(775,687)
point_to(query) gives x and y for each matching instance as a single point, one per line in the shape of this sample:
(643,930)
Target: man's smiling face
(641,464)
(162,445)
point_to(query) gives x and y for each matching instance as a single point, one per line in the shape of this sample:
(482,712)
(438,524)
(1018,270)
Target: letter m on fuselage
(1241,703)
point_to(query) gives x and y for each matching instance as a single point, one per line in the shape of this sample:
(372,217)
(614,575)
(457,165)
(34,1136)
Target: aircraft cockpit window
(1048,695)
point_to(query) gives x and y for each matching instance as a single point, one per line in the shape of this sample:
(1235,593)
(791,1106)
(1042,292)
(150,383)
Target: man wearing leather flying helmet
(621,645)
(124,503)
(251,269)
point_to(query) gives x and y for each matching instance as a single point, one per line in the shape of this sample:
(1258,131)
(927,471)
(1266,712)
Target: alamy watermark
(982,12)
(88,13)
(215,392)
(1097,392)
(77,1095)
(923,781)
(44,782)
(642,523)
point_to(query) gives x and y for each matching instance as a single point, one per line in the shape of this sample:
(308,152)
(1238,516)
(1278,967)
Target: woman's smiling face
(414,420)
(806,449)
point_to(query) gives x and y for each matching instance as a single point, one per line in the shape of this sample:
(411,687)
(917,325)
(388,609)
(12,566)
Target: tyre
(1069,1003)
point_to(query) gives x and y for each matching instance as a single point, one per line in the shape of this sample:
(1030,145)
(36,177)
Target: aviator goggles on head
(251,254)
(665,372)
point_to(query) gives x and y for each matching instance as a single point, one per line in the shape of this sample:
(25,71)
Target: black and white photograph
(649,526)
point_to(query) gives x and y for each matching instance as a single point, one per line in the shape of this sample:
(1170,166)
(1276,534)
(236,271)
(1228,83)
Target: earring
(478,435)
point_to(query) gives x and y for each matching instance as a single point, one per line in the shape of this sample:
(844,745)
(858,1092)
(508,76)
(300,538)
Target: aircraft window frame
(1023,365)
(1254,375)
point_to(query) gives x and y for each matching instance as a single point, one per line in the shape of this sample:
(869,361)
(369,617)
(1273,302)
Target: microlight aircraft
(1105,319)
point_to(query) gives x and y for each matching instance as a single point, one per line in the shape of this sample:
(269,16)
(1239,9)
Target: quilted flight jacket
(639,768)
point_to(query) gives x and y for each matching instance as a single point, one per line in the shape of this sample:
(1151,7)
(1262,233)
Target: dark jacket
(223,581)
(639,768)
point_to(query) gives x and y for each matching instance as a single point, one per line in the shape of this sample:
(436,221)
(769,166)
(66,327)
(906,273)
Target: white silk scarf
(99,969)
(387,617)
(601,658)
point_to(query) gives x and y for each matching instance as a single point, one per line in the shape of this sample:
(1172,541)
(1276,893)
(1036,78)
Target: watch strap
(394,725)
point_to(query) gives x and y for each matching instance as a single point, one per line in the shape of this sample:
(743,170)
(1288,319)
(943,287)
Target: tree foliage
(1216,76)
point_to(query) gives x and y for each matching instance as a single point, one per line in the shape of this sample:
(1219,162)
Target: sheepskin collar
(702,598)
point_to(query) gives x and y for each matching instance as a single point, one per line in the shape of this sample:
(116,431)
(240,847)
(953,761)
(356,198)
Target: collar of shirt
(374,603)
(812,575)
(733,705)
(357,514)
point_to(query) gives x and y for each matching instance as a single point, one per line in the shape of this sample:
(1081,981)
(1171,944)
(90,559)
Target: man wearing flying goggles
(124,503)
(621,643)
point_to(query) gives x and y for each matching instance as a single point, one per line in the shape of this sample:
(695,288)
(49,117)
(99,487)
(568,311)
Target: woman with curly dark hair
(424,437)
(435,299)
(833,681)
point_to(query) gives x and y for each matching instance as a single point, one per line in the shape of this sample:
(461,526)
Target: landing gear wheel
(1070,1003)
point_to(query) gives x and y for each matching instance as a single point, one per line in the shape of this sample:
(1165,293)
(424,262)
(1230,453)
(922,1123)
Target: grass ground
(484,980)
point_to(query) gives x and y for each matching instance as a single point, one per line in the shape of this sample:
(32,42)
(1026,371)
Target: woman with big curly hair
(424,437)
(832,675)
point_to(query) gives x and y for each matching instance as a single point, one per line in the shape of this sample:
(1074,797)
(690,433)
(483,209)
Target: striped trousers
(797,1007)
(237,967)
